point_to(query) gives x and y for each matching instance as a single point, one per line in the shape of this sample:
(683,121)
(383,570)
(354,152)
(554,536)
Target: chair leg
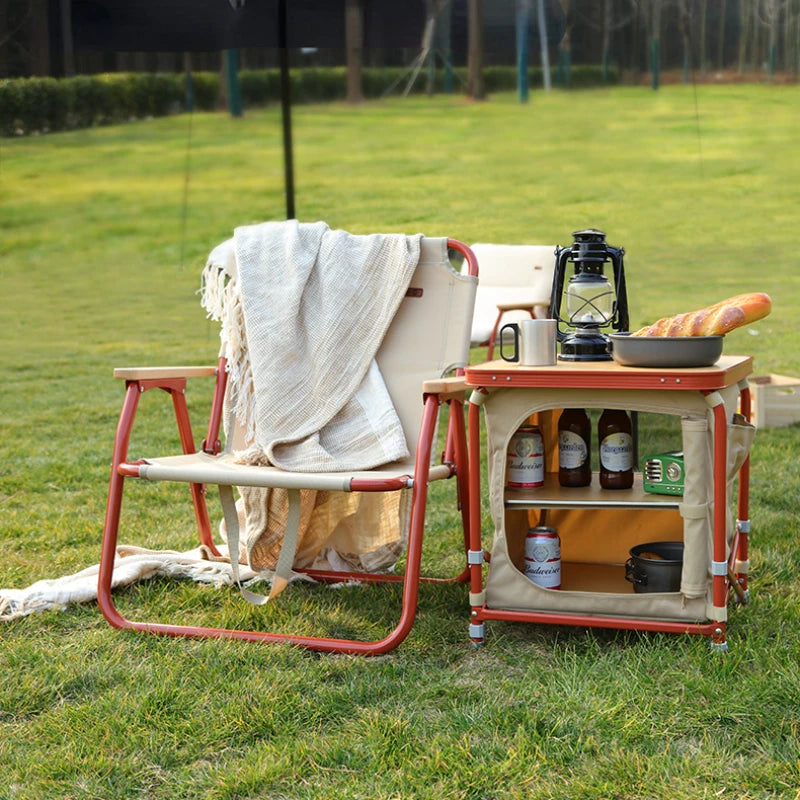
(108,549)
(198,490)
(461,460)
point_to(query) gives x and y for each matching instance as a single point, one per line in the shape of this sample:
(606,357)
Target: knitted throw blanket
(131,565)
(303,314)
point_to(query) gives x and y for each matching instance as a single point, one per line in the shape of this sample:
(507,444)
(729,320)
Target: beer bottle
(616,449)
(574,448)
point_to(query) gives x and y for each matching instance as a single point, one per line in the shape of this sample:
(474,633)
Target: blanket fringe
(132,564)
(220,298)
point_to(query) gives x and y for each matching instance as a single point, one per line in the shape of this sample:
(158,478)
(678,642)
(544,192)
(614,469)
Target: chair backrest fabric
(429,336)
(511,273)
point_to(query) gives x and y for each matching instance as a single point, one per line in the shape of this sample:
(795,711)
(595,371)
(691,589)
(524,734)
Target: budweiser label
(525,459)
(543,557)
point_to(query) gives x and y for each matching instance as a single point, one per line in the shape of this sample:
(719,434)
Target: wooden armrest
(445,387)
(158,373)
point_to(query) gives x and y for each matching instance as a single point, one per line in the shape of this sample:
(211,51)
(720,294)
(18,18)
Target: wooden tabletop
(610,375)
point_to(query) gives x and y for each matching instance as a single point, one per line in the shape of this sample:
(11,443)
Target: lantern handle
(561,254)
(622,323)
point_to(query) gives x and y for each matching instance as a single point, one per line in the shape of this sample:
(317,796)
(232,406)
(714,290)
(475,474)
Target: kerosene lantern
(590,300)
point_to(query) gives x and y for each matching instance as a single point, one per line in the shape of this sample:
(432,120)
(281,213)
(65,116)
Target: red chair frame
(173,382)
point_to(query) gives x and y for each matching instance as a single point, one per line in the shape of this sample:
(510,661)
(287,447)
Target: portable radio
(663,473)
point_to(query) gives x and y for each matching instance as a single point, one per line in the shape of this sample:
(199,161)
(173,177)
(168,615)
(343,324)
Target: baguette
(714,320)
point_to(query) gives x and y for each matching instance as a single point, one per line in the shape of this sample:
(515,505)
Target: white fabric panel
(510,274)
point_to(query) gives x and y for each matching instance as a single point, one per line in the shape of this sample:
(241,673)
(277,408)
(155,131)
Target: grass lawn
(100,268)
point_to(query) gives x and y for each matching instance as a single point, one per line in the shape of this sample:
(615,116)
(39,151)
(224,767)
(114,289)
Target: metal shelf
(553,495)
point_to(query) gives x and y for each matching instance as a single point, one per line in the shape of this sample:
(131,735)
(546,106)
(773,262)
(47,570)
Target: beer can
(525,459)
(543,557)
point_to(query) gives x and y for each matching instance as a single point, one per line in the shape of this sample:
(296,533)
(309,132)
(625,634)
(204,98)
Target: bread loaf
(714,320)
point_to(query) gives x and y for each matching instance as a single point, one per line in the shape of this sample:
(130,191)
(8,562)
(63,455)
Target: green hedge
(47,104)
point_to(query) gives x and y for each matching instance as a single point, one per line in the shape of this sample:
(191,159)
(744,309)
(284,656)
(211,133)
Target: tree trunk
(721,39)
(701,55)
(744,34)
(684,25)
(772,46)
(795,46)
(758,51)
(354,33)
(476,88)
(655,44)
(606,38)
(787,32)
(545,53)
(4,39)
(565,46)
(445,38)
(68,63)
(39,63)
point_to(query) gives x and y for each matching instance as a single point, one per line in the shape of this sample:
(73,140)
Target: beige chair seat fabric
(224,470)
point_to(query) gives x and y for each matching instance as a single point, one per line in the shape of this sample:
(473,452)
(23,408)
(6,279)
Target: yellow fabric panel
(605,536)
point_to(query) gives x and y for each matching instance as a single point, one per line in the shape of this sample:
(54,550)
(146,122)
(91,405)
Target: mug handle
(514,327)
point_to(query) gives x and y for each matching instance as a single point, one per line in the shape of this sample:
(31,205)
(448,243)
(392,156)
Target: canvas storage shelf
(552,495)
(599,527)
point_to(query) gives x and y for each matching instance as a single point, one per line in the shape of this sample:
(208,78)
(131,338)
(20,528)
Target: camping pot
(655,567)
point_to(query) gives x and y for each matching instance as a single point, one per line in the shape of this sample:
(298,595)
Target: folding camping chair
(427,340)
(516,283)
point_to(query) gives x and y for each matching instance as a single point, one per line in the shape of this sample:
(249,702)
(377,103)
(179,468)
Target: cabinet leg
(742,554)
(476,633)
(719,643)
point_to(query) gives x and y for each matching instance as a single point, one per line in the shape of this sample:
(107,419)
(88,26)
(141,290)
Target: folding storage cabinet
(598,527)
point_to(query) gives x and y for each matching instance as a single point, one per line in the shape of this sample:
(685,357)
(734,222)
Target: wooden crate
(775,400)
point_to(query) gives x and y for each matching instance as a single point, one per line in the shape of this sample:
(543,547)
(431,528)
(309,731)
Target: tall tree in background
(564,66)
(723,9)
(65,9)
(702,36)
(354,46)
(476,88)
(685,25)
(444,30)
(771,13)
(612,18)
(655,42)
(749,35)
(40,38)
(542,25)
